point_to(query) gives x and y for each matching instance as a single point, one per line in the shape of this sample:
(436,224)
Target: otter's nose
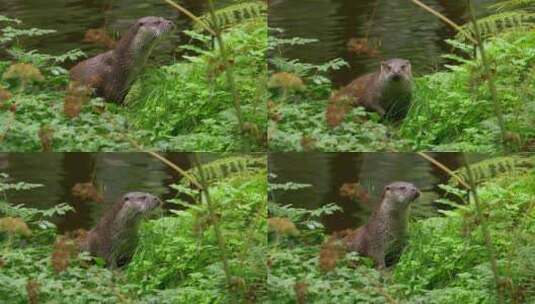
(153,199)
(169,23)
(416,193)
(396,77)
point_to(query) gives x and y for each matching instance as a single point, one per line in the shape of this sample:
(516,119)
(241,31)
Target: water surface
(328,172)
(402,29)
(72,18)
(114,174)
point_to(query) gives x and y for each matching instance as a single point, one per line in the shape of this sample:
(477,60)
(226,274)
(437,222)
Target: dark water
(113,173)
(72,18)
(327,172)
(403,29)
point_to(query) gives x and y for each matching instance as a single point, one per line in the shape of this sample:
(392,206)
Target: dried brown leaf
(282,226)
(87,191)
(14,225)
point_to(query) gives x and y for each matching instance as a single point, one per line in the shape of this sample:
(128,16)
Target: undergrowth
(452,109)
(185,106)
(446,259)
(187,103)
(177,259)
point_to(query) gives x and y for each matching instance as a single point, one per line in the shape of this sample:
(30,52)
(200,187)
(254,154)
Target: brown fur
(112,73)
(385,232)
(386,91)
(114,238)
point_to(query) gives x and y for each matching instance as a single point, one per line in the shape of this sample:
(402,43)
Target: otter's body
(387,91)
(385,233)
(114,238)
(112,73)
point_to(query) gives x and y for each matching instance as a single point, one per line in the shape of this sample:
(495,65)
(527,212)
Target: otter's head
(401,193)
(140,202)
(144,34)
(152,28)
(396,70)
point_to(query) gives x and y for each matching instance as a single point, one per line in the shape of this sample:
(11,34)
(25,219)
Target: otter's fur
(112,73)
(387,91)
(114,238)
(385,233)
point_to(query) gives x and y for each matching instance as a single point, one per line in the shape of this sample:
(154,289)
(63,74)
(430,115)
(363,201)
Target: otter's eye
(387,188)
(125,199)
(158,22)
(403,188)
(143,197)
(404,66)
(141,23)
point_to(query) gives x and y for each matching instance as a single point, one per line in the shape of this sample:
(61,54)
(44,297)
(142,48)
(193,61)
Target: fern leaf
(226,167)
(233,14)
(494,167)
(513,4)
(490,26)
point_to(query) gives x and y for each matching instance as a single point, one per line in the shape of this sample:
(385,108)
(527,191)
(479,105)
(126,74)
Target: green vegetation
(453,110)
(447,259)
(185,106)
(188,106)
(179,258)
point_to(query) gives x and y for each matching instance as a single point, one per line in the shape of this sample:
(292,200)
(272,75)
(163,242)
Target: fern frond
(490,26)
(223,168)
(233,14)
(513,4)
(494,167)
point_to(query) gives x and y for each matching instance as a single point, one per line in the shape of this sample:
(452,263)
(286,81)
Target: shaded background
(404,30)
(327,172)
(72,18)
(114,174)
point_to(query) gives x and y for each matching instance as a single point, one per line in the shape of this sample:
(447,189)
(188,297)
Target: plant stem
(490,79)
(191,16)
(484,229)
(444,168)
(173,166)
(164,160)
(213,217)
(445,19)
(229,72)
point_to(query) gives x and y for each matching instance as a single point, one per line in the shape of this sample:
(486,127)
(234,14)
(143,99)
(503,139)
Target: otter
(114,238)
(383,237)
(112,73)
(387,91)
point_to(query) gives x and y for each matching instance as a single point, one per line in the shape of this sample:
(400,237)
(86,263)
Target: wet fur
(114,238)
(383,237)
(377,92)
(112,73)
